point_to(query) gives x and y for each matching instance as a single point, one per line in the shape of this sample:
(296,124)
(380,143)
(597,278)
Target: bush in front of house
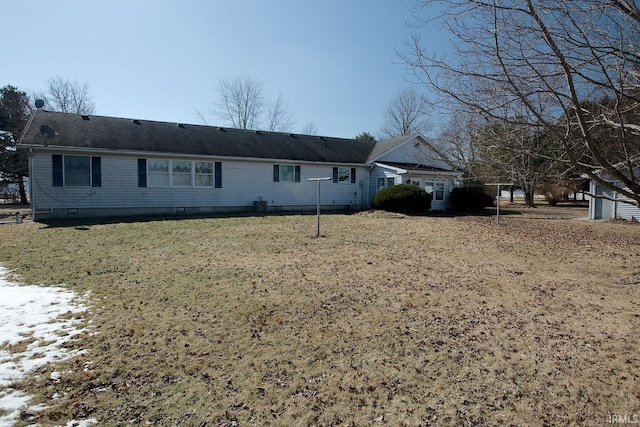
(403,198)
(470,198)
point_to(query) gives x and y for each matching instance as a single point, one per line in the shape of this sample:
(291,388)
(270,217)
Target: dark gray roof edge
(125,134)
(176,123)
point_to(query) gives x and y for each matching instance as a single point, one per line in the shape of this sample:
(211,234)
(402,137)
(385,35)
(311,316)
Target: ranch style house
(97,166)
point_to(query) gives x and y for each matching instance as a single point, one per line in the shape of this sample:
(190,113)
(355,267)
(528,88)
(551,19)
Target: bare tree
(458,137)
(405,114)
(241,101)
(574,65)
(309,129)
(62,94)
(279,117)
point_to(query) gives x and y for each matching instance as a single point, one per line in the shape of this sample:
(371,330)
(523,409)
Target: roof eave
(151,154)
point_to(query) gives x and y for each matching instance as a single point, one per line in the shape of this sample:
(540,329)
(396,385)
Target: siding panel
(243,183)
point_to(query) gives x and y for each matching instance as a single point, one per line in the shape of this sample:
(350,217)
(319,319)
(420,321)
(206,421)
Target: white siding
(409,152)
(608,209)
(627,211)
(243,182)
(378,172)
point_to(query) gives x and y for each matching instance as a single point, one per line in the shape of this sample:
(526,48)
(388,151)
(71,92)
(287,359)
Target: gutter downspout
(31,201)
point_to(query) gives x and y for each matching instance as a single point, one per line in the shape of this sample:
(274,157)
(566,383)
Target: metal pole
(318,200)
(318,209)
(498,198)
(498,207)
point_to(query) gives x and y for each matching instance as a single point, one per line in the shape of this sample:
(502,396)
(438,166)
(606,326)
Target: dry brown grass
(386,319)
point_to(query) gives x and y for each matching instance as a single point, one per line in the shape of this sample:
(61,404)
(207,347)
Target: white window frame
(66,169)
(293,173)
(178,176)
(152,174)
(344,175)
(199,176)
(171,176)
(436,188)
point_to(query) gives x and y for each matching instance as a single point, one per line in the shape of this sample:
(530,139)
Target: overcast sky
(333,61)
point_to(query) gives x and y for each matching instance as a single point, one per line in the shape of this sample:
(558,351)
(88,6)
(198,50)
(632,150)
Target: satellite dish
(47,132)
(39,103)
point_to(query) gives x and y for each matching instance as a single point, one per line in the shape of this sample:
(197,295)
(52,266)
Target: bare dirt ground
(385,320)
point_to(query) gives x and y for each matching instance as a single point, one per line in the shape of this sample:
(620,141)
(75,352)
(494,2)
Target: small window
(204,174)
(344,175)
(77,171)
(381,183)
(181,173)
(158,173)
(286,173)
(435,188)
(391,181)
(438,190)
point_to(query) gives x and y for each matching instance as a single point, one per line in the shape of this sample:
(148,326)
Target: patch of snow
(33,314)
(83,423)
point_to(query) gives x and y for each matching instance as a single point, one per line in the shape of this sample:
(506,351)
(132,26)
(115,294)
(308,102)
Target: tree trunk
(23,193)
(529,198)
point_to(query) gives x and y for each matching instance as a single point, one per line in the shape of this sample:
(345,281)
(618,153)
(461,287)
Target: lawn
(386,319)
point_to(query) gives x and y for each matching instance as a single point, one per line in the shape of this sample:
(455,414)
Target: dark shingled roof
(112,133)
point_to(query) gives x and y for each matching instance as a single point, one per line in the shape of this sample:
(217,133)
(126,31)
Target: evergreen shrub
(470,198)
(403,198)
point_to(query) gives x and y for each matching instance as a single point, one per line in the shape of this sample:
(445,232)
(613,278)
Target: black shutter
(58,174)
(142,172)
(218,175)
(353,175)
(335,174)
(297,173)
(96,172)
(276,173)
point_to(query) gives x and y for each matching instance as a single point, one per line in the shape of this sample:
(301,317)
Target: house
(609,204)
(87,165)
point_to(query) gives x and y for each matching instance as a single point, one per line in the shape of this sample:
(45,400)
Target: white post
(498,199)
(318,201)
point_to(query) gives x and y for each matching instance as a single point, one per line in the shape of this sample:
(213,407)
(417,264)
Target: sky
(334,62)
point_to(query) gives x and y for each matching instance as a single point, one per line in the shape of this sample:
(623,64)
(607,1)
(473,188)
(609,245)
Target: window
(76,171)
(184,173)
(344,175)
(204,174)
(181,173)
(435,188)
(439,190)
(286,173)
(385,181)
(158,173)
